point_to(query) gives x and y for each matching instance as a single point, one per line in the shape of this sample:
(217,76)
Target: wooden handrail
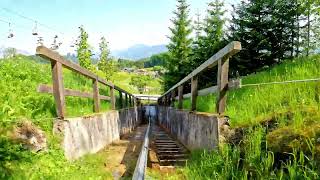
(228,51)
(221,58)
(57,62)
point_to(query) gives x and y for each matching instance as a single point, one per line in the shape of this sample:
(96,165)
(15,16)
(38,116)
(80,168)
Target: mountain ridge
(139,51)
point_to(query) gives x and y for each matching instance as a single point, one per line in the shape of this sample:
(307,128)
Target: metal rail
(139,171)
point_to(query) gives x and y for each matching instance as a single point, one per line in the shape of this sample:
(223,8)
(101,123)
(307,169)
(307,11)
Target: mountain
(139,51)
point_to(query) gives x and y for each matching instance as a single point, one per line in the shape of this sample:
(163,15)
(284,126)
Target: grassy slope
(248,105)
(20,101)
(294,111)
(122,79)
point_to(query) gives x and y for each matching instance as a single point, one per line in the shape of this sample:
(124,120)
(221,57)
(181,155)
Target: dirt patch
(123,154)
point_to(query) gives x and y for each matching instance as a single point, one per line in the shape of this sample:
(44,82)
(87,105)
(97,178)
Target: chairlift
(10,32)
(35,29)
(40,41)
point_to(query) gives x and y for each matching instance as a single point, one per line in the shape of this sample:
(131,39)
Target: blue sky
(123,22)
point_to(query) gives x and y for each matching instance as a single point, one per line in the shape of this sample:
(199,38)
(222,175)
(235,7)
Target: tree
(106,64)
(83,50)
(9,53)
(213,29)
(309,20)
(266,29)
(140,82)
(179,63)
(197,50)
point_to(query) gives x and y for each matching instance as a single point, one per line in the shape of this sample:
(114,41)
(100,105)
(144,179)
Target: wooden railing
(220,59)
(59,92)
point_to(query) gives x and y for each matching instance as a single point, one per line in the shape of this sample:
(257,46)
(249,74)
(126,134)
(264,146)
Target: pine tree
(83,50)
(309,20)
(213,29)
(267,31)
(179,64)
(197,53)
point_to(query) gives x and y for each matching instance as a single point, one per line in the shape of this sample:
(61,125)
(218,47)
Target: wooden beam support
(42,88)
(120,100)
(180,97)
(223,70)
(126,99)
(58,89)
(96,98)
(113,98)
(172,98)
(194,92)
(228,51)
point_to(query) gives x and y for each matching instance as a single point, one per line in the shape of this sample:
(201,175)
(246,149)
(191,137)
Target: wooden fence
(59,92)
(220,59)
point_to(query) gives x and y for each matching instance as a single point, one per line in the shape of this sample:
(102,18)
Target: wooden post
(113,98)
(194,92)
(126,99)
(180,95)
(223,70)
(58,89)
(120,100)
(96,98)
(173,98)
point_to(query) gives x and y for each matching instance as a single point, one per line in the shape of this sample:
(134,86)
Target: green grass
(20,101)
(290,149)
(123,79)
(247,105)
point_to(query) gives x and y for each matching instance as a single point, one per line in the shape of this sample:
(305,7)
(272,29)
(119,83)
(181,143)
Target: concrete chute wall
(194,130)
(90,134)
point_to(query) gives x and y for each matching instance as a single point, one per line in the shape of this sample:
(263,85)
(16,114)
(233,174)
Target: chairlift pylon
(35,29)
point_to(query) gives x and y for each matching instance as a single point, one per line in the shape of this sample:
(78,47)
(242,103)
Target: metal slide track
(169,151)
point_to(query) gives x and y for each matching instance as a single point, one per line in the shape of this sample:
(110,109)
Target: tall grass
(287,150)
(247,105)
(252,161)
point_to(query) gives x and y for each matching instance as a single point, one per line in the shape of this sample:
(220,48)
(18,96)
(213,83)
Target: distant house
(129,70)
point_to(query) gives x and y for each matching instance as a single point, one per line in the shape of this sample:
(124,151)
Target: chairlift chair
(11,35)
(35,29)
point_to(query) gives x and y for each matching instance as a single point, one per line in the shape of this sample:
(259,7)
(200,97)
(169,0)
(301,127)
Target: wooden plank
(55,57)
(58,89)
(228,51)
(120,100)
(113,98)
(126,99)
(96,98)
(233,84)
(194,92)
(47,53)
(172,98)
(69,92)
(130,101)
(223,70)
(180,97)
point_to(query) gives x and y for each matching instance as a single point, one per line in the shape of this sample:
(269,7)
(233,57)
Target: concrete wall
(90,134)
(193,130)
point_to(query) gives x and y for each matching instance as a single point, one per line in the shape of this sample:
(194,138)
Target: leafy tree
(106,64)
(179,63)
(140,82)
(156,60)
(83,50)
(9,53)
